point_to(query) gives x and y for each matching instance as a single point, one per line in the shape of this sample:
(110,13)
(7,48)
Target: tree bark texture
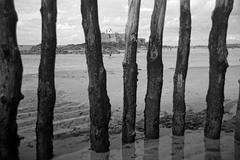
(237,123)
(218,66)
(10,81)
(46,85)
(154,71)
(130,72)
(100,108)
(179,79)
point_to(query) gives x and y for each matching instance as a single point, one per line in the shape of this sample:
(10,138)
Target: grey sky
(113,14)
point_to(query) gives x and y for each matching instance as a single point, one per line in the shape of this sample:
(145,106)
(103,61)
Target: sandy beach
(71,119)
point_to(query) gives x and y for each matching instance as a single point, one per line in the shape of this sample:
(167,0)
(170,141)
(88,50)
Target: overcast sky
(113,14)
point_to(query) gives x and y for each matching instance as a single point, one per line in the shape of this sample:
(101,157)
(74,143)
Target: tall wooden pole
(218,66)
(46,85)
(130,72)
(100,108)
(10,81)
(179,79)
(237,123)
(154,71)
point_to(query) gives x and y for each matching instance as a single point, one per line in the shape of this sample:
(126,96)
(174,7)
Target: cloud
(65,26)
(112,21)
(30,16)
(113,14)
(233,37)
(146,9)
(20,23)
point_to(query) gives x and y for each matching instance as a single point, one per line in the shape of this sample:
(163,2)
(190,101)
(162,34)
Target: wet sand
(191,147)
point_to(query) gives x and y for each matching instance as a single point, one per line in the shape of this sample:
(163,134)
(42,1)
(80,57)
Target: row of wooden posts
(100,107)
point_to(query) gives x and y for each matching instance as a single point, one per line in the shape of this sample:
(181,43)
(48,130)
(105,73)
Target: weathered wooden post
(130,72)
(10,81)
(100,108)
(218,66)
(154,71)
(179,79)
(237,120)
(46,85)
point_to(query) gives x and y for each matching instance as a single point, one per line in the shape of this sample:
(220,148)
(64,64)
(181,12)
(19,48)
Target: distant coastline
(107,48)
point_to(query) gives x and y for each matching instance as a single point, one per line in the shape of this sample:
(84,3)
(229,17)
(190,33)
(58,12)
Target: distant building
(113,37)
(109,36)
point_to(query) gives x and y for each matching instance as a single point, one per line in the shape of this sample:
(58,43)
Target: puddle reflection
(128,152)
(212,149)
(99,156)
(237,150)
(151,149)
(177,148)
(192,146)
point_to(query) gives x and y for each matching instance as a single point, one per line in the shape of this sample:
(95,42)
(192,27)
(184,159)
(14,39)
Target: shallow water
(191,147)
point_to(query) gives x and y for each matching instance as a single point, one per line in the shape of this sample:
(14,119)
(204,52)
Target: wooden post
(218,66)
(10,81)
(130,72)
(100,108)
(154,71)
(46,86)
(179,79)
(237,123)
